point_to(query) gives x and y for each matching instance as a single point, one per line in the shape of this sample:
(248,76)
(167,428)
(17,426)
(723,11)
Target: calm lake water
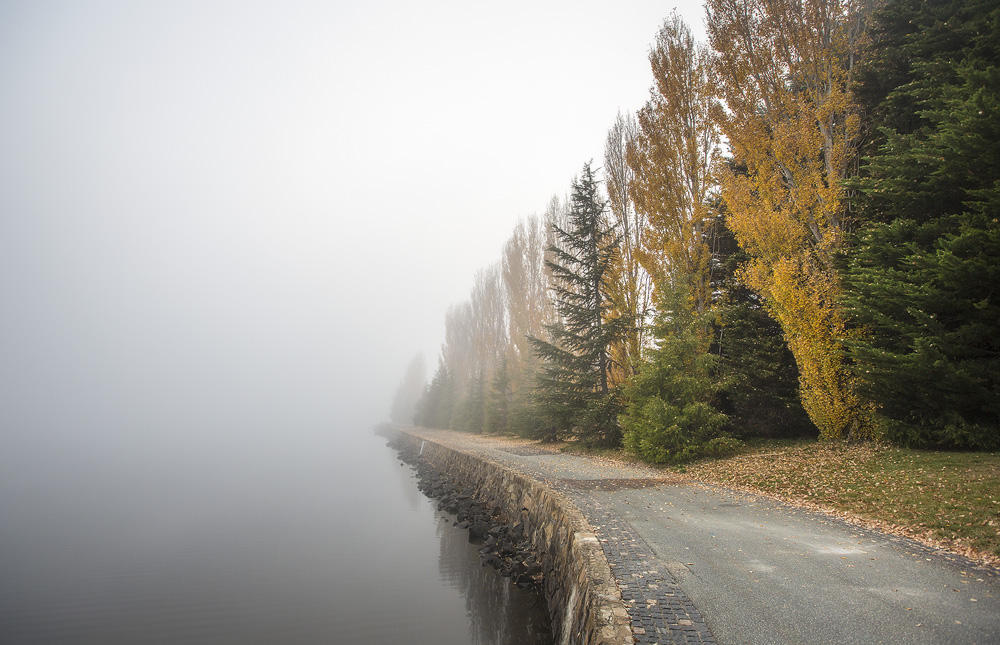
(212,544)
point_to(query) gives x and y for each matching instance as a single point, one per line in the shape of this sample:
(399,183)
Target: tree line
(797,234)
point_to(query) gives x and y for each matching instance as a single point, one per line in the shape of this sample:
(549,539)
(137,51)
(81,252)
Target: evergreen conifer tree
(470,413)
(671,415)
(922,276)
(409,392)
(760,392)
(572,390)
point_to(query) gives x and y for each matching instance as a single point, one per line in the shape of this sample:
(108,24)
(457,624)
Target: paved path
(703,564)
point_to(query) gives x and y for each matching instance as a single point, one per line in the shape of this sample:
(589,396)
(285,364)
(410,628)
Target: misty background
(220,221)
(225,230)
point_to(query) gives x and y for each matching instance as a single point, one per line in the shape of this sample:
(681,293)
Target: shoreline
(693,562)
(584,601)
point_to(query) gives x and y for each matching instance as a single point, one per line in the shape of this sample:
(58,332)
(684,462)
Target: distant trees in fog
(796,234)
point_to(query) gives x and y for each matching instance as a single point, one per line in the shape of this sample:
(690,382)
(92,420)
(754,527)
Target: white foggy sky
(245,216)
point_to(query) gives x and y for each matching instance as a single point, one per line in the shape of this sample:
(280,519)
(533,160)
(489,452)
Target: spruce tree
(922,276)
(572,391)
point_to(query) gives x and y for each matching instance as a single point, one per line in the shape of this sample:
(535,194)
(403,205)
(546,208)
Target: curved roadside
(947,501)
(585,604)
(696,563)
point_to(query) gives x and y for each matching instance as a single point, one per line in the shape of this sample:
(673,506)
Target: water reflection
(500,613)
(292,544)
(407,489)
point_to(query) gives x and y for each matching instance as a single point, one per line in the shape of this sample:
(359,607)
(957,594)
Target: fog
(223,221)
(225,229)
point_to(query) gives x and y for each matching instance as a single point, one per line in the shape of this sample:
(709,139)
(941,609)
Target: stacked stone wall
(584,602)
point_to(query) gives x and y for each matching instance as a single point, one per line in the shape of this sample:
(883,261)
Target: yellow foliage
(802,298)
(672,159)
(784,73)
(629,286)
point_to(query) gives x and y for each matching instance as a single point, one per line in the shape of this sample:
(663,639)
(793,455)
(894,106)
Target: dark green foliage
(758,373)
(524,416)
(572,390)
(526,420)
(915,45)
(670,417)
(923,273)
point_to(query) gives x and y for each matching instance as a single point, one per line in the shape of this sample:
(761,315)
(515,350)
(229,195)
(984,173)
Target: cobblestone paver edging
(658,610)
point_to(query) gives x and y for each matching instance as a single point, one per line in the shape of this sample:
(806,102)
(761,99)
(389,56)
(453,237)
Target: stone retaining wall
(585,604)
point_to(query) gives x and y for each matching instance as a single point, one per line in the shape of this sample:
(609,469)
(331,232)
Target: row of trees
(796,234)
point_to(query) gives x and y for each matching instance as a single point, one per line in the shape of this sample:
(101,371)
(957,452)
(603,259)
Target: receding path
(698,563)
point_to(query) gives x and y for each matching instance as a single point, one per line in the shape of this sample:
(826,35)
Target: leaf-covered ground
(946,499)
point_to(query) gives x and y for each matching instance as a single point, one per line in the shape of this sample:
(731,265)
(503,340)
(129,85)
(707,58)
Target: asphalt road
(760,571)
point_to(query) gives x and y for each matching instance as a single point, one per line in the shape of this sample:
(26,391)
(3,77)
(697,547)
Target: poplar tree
(785,73)
(573,390)
(631,286)
(672,158)
(672,412)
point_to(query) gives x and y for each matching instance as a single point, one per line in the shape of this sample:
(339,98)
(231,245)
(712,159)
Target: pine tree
(922,277)
(572,391)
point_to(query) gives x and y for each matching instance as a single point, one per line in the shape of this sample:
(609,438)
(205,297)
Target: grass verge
(946,499)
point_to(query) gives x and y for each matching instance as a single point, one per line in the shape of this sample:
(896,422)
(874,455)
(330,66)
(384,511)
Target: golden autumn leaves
(776,86)
(673,158)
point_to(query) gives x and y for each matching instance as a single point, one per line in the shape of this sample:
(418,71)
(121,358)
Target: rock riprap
(505,547)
